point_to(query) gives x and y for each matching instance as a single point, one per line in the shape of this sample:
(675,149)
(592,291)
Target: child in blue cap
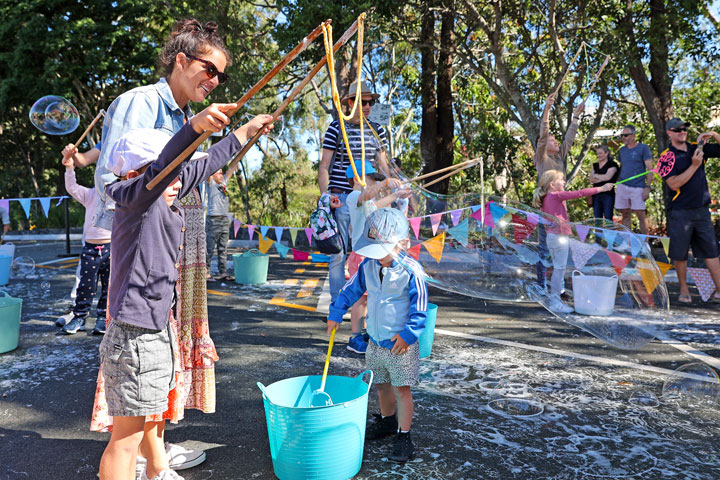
(397,309)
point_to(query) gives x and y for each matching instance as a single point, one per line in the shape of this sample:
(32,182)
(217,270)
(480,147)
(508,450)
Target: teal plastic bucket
(304,440)
(10,311)
(251,267)
(428,335)
(5,264)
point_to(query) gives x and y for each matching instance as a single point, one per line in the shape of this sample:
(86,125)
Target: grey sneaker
(181,458)
(77,324)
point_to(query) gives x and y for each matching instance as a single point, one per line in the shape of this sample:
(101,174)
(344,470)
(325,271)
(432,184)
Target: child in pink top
(550,197)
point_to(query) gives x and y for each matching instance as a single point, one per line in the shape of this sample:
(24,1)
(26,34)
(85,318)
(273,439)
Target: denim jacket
(151,106)
(148,234)
(396,305)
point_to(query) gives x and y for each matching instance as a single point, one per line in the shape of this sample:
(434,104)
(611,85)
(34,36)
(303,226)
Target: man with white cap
(689,221)
(335,160)
(397,310)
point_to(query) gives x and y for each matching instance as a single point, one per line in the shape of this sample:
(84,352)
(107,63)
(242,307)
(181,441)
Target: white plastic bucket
(594,294)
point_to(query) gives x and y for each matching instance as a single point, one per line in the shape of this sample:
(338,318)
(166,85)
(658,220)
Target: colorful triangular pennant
(264,244)
(666,246)
(308,234)
(435,221)
(435,246)
(664,267)
(521,228)
(650,275)
(236,226)
(45,204)
(279,233)
(582,231)
(703,282)
(460,232)
(293,235)
(415,224)
(281,249)
(251,230)
(25,203)
(455,216)
(582,252)
(415,251)
(263,230)
(619,262)
(300,255)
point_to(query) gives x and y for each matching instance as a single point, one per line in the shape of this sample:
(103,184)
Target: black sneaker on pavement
(403,448)
(75,325)
(99,328)
(381,427)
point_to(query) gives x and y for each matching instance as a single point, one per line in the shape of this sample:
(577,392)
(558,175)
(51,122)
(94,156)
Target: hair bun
(186,26)
(211,28)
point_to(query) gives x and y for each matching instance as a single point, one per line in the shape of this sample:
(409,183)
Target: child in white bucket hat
(136,353)
(397,310)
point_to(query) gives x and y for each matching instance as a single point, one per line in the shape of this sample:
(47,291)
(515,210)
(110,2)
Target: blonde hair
(543,185)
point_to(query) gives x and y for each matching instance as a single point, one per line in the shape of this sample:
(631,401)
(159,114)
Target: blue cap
(358,166)
(384,228)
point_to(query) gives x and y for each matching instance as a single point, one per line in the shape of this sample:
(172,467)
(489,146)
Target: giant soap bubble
(482,246)
(54,115)
(693,383)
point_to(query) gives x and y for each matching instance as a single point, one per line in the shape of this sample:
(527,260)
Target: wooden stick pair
(100,114)
(467,164)
(240,103)
(442,170)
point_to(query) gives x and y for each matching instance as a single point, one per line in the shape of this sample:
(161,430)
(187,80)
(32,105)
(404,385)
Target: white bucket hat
(364,90)
(384,228)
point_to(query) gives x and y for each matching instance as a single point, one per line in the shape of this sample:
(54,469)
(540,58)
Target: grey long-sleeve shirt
(148,234)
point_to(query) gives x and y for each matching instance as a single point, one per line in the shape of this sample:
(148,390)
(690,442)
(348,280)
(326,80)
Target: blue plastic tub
(428,335)
(323,443)
(5,264)
(10,313)
(251,267)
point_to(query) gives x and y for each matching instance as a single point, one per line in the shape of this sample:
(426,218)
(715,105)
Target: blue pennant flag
(278,233)
(460,232)
(45,204)
(281,249)
(263,230)
(25,202)
(497,212)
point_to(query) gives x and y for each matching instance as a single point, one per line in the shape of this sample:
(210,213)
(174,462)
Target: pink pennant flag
(299,255)
(435,221)
(703,282)
(477,215)
(236,225)
(582,231)
(455,216)
(533,218)
(415,224)
(308,234)
(251,230)
(5,203)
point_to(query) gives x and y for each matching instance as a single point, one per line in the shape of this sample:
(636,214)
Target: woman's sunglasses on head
(210,69)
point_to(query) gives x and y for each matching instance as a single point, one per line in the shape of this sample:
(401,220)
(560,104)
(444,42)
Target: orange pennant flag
(265,244)
(664,267)
(435,246)
(650,276)
(415,252)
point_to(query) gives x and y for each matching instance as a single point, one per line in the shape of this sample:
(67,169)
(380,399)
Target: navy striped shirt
(334,141)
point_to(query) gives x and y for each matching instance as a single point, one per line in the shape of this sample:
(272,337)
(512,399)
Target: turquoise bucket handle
(262,389)
(362,376)
(253,252)
(5,294)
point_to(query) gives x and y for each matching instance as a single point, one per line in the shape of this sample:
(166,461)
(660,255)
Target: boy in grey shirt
(217,223)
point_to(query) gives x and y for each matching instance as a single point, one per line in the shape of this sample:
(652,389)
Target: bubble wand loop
(663,168)
(240,103)
(597,75)
(442,170)
(567,70)
(100,114)
(341,41)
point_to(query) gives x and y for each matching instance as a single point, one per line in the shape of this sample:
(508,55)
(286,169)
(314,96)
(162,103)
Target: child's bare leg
(405,407)
(152,448)
(387,399)
(359,310)
(118,460)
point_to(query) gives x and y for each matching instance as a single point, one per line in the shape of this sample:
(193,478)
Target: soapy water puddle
(589,427)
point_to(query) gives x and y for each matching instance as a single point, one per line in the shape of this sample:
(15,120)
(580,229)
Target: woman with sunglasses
(193,64)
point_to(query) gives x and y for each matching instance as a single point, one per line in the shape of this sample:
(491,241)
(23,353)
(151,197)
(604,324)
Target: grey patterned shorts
(137,365)
(398,370)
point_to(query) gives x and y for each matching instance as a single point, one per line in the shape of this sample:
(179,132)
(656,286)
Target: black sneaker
(381,427)
(99,328)
(75,325)
(403,448)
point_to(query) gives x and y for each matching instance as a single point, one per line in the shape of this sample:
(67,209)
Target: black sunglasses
(366,102)
(678,130)
(210,69)
(626,134)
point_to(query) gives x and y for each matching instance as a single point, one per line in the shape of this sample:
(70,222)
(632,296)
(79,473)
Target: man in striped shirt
(332,178)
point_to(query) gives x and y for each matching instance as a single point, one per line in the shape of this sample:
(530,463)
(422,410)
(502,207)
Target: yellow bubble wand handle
(327,359)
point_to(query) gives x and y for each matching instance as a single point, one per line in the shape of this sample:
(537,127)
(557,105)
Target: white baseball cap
(138,148)
(384,228)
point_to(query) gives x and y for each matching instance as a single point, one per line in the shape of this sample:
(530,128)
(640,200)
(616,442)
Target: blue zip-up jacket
(148,234)
(396,305)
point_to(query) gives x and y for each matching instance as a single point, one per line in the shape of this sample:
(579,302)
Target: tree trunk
(428,133)
(656,93)
(445,120)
